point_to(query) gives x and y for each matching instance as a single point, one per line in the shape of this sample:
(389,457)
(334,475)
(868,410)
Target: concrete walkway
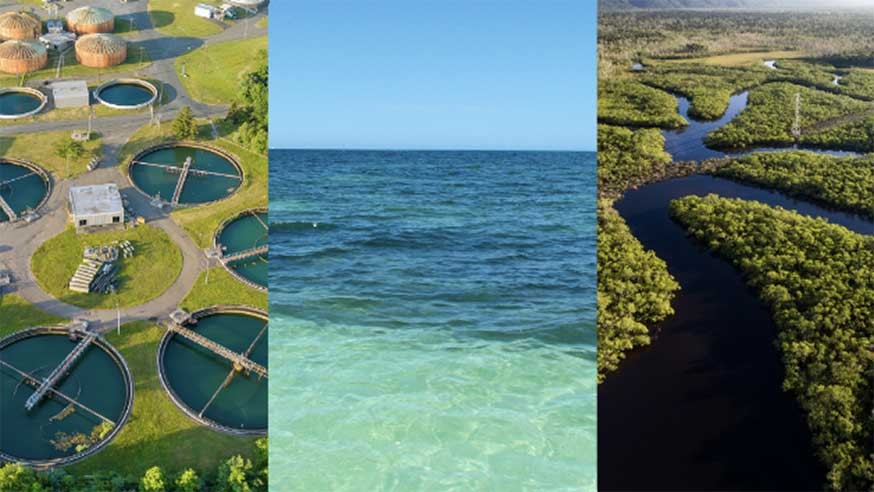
(19,240)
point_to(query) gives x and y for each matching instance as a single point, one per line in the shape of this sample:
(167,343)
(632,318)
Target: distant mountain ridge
(608,5)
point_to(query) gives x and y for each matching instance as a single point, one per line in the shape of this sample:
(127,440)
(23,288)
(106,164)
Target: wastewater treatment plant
(193,364)
(127,194)
(85,405)
(24,187)
(186,173)
(126,94)
(20,102)
(242,241)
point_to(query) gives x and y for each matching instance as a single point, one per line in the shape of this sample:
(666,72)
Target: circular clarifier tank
(23,187)
(245,237)
(209,387)
(126,94)
(20,102)
(56,431)
(212,175)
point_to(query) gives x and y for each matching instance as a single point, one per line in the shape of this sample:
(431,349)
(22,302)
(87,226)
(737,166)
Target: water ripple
(432,320)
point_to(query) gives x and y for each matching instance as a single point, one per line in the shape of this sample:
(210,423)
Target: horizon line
(375,149)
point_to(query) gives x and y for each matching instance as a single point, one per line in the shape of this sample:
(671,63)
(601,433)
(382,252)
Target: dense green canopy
(846,183)
(818,279)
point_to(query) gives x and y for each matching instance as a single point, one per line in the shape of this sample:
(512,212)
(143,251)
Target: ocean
(432,320)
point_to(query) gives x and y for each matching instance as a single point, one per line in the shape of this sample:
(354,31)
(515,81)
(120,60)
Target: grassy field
(214,72)
(18,314)
(176,18)
(222,288)
(39,148)
(136,60)
(740,59)
(153,268)
(158,433)
(201,222)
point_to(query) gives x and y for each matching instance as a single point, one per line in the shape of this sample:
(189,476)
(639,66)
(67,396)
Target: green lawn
(201,222)
(176,18)
(153,268)
(39,148)
(222,288)
(18,314)
(213,72)
(158,433)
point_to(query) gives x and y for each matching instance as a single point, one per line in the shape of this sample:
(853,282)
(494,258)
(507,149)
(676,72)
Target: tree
(188,481)
(250,115)
(153,480)
(17,478)
(233,475)
(184,127)
(69,149)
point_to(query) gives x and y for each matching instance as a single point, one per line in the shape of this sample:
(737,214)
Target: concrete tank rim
(218,231)
(29,90)
(126,81)
(180,404)
(116,357)
(233,159)
(46,177)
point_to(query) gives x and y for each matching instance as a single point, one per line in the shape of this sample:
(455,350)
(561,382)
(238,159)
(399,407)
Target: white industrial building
(250,5)
(70,94)
(96,205)
(58,41)
(207,11)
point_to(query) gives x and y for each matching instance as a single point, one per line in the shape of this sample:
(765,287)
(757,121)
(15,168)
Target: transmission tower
(796,127)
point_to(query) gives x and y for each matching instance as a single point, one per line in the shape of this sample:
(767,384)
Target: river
(702,407)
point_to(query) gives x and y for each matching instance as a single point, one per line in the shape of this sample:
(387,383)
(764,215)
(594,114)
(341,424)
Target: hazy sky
(447,74)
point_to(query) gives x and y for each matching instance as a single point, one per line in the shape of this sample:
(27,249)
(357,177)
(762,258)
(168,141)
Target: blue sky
(447,74)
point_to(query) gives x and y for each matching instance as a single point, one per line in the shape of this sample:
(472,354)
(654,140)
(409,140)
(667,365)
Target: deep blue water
(432,320)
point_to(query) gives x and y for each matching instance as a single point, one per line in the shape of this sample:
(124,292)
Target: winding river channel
(702,408)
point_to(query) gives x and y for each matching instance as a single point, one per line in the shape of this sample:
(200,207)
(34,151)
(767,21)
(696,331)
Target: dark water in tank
(124,94)
(197,188)
(26,191)
(96,381)
(15,103)
(195,373)
(247,232)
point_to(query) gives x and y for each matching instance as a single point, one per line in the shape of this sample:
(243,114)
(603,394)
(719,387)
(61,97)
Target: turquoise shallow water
(432,320)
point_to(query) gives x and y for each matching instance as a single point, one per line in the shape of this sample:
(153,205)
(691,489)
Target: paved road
(18,241)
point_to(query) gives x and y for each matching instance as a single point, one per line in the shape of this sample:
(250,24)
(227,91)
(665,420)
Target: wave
(320,253)
(301,226)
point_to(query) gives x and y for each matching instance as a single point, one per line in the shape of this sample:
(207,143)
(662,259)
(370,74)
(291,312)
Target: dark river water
(687,143)
(702,407)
